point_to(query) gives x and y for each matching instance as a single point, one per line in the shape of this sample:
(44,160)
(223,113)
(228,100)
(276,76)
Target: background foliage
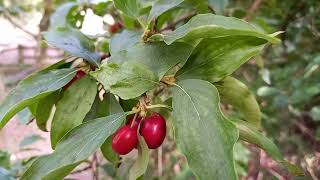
(284,78)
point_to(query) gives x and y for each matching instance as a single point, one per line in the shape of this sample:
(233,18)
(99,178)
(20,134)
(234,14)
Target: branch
(81,170)
(182,19)
(254,6)
(7,16)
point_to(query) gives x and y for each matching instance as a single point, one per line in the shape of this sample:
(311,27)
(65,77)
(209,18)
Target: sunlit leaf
(234,92)
(213,26)
(202,133)
(128,80)
(159,57)
(215,58)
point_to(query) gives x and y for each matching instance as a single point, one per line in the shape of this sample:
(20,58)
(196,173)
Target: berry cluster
(152,129)
(125,139)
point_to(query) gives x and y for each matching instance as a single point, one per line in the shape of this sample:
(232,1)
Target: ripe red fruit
(115,27)
(78,76)
(124,140)
(153,130)
(136,122)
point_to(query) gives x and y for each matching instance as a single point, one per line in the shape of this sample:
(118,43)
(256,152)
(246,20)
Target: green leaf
(112,107)
(58,18)
(44,108)
(128,80)
(34,87)
(141,164)
(252,135)
(130,8)
(161,6)
(213,26)
(108,152)
(30,140)
(73,42)
(215,58)
(159,57)
(218,5)
(202,133)
(200,6)
(124,40)
(234,92)
(72,108)
(75,147)
(4,159)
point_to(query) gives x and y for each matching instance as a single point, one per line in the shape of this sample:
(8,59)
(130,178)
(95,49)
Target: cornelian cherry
(153,129)
(124,140)
(115,27)
(78,76)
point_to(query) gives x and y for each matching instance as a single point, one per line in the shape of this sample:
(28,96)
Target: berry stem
(134,119)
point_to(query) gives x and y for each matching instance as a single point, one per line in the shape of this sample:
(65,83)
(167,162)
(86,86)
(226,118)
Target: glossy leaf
(237,94)
(112,107)
(159,57)
(32,88)
(252,135)
(58,18)
(128,80)
(215,58)
(213,26)
(202,133)
(124,40)
(72,108)
(129,7)
(73,42)
(141,164)
(75,147)
(161,6)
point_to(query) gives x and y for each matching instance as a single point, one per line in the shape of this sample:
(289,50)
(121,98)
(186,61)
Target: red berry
(78,76)
(136,122)
(153,130)
(124,140)
(115,27)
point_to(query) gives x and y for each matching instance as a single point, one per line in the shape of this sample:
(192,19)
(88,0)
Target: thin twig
(81,170)
(7,16)
(254,7)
